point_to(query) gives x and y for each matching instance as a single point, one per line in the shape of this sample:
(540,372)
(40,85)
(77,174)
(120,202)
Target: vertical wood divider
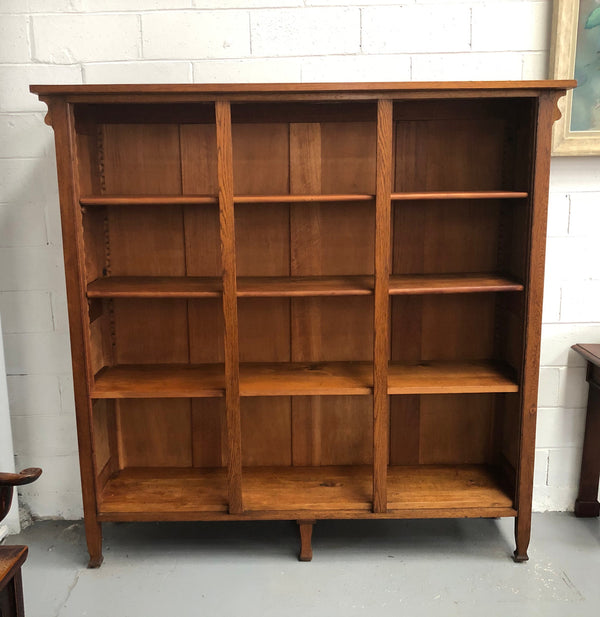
(232,366)
(381,352)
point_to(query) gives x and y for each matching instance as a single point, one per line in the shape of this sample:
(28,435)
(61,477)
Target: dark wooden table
(587,500)
(11,587)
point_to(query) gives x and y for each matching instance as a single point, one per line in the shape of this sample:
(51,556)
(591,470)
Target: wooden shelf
(300,379)
(436,195)
(207,380)
(451,487)
(308,488)
(164,490)
(279,492)
(257,287)
(148,200)
(155,287)
(167,200)
(298,286)
(318,198)
(450,378)
(159,381)
(413,284)
(306,379)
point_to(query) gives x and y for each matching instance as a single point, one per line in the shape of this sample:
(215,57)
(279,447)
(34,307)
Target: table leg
(587,500)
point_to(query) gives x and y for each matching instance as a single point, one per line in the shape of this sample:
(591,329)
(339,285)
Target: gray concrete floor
(413,568)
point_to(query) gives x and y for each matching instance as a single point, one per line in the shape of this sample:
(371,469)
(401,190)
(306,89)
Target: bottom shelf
(431,491)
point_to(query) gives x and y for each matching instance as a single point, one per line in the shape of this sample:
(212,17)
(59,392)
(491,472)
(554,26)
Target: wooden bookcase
(304,301)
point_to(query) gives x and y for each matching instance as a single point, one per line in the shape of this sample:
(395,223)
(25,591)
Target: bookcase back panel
(332,430)
(209,432)
(442,429)
(332,239)
(152,245)
(202,244)
(332,329)
(305,239)
(348,157)
(151,331)
(155,432)
(449,155)
(198,159)
(266,431)
(311,154)
(262,240)
(442,327)
(264,329)
(261,154)
(141,159)
(206,331)
(313,330)
(445,236)
(449,323)
(344,431)
(456,429)
(338,431)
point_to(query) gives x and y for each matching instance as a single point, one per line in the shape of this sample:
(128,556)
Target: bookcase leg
(306,528)
(522,535)
(93,535)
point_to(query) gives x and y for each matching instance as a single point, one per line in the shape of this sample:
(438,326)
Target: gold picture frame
(565,20)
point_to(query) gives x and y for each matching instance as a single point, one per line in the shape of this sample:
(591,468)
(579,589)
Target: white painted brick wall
(14,38)
(137,72)
(219,34)
(292,32)
(376,67)
(15,80)
(513,25)
(443,27)
(248,70)
(67,39)
(467,66)
(133,41)
(34,394)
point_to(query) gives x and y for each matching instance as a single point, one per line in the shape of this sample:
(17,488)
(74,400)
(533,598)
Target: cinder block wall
(128,41)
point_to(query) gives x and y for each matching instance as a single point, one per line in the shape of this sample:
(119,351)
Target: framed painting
(575,52)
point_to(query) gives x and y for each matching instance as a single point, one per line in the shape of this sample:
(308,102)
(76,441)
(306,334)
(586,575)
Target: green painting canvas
(585,114)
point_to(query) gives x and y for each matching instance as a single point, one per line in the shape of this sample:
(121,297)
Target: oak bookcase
(304,301)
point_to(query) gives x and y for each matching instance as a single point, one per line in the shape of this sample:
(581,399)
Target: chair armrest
(27,476)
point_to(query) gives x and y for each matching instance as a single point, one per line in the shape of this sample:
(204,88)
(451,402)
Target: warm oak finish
(587,499)
(12,557)
(305,528)
(295,286)
(11,581)
(299,379)
(321,492)
(304,301)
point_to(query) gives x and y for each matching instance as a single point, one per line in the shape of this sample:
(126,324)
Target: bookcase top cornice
(350,90)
